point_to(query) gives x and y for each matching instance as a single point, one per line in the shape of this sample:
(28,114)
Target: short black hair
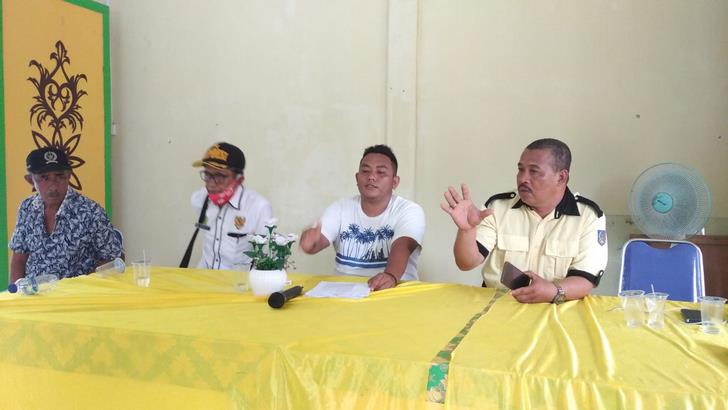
(559,151)
(384,150)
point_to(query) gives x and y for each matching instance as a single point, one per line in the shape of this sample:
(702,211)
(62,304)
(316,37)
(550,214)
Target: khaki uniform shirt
(571,241)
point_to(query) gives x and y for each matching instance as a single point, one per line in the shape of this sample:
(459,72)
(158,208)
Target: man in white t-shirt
(233,211)
(375,234)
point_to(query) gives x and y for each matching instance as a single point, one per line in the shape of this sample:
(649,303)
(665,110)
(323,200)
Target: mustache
(524,187)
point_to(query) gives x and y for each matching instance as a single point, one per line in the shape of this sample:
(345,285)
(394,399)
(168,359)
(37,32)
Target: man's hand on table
(539,291)
(382,280)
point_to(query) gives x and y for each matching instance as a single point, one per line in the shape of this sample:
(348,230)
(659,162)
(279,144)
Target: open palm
(461,208)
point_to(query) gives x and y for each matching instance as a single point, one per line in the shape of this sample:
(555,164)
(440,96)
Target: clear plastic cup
(711,314)
(655,306)
(633,305)
(241,276)
(110,268)
(142,272)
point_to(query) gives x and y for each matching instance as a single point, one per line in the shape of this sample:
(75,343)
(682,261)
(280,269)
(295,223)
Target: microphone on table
(276,300)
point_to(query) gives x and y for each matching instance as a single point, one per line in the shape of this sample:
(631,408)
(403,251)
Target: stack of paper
(339,290)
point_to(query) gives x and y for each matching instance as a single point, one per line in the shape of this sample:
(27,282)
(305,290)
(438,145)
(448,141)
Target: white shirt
(245,213)
(363,243)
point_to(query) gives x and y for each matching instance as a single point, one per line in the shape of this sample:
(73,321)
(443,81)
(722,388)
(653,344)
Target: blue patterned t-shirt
(82,238)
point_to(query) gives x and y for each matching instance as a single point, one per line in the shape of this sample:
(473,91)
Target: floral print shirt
(82,239)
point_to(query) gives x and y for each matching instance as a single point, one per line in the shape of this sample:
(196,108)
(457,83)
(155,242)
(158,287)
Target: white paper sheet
(339,290)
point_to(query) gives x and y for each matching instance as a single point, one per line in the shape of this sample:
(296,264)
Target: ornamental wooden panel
(55,90)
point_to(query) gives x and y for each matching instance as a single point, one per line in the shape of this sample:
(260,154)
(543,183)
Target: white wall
(457,88)
(626,84)
(298,87)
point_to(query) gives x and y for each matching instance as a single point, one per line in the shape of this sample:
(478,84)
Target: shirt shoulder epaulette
(504,195)
(593,205)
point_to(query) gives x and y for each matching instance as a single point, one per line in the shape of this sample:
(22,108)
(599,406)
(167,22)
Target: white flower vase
(265,282)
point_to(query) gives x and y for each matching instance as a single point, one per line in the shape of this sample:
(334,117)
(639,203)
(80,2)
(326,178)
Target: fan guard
(670,201)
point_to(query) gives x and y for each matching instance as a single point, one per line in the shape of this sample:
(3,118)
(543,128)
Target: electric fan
(670,201)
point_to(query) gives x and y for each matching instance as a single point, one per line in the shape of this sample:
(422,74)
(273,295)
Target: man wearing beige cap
(227,210)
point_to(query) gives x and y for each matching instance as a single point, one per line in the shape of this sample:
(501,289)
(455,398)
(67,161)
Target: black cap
(223,156)
(47,159)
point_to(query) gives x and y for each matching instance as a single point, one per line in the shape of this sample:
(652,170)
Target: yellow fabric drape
(581,355)
(192,341)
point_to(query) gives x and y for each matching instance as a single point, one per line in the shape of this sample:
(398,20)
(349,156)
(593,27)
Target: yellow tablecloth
(192,341)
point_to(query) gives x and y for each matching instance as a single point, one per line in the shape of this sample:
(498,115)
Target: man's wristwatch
(560,295)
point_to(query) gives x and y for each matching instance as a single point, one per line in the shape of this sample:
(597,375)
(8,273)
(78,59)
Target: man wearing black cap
(59,230)
(232,212)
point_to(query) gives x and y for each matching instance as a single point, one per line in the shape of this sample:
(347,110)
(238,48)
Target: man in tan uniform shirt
(557,238)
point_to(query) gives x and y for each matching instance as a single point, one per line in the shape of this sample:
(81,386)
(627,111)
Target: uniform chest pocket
(561,249)
(513,248)
(559,255)
(513,243)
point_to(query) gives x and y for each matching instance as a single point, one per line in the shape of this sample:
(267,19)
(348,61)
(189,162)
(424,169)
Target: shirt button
(219,217)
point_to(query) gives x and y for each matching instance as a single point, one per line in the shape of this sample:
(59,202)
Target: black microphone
(277,299)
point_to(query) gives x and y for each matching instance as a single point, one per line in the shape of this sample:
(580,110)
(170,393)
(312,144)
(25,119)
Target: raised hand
(311,238)
(461,208)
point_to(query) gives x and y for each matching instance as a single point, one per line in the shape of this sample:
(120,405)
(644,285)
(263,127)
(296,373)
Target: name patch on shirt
(602,237)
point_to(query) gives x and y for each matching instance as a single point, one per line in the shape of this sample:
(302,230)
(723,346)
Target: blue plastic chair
(676,268)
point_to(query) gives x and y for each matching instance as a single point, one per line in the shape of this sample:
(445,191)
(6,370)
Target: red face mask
(221,198)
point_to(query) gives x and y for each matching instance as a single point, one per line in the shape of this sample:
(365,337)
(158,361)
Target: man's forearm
(576,287)
(465,249)
(17,266)
(312,241)
(321,244)
(399,255)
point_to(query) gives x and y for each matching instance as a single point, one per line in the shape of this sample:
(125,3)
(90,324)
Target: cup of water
(142,272)
(655,306)
(711,313)
(241,276)
(632,303)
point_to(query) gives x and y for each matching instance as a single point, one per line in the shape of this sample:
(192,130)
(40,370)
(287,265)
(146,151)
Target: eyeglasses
(216,178)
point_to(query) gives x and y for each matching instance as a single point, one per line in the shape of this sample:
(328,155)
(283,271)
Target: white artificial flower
(281,240)
(271,223)
(292,237)
(259,239)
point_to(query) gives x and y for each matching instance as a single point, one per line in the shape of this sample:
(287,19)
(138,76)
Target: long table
(192,340)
